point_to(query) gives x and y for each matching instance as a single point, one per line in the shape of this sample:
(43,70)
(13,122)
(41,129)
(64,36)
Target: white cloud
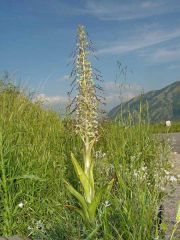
(170,53)
(140,40)
(107,9)
(165,55)
(51,99)
(127,10)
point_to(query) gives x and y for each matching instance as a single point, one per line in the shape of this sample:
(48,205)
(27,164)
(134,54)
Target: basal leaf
(81,175)
(79,197)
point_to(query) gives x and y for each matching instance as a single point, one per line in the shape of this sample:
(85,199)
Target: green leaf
(79,197)
(30,176)
(82,176)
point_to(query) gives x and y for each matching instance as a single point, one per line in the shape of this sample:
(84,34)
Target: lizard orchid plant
(86,125)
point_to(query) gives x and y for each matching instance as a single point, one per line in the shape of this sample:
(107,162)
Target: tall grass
(35,146)
(32,164)
(138,163)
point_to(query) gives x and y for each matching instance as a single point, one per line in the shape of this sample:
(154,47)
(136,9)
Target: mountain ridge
(163,104)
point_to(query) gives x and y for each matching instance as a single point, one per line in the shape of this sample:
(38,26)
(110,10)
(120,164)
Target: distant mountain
(163,104)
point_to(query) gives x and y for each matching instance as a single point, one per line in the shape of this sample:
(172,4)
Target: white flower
(100,155)
(40,225)
(20,205)
(107,204)
(172,179)
(168,123)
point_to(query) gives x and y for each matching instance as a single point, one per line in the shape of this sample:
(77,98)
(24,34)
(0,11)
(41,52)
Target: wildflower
(107,204)
(20,205)
(172,179)
(86,108)
(100,155)
(168,123)
(40,225)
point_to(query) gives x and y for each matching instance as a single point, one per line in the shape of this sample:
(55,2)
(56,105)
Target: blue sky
(38,36)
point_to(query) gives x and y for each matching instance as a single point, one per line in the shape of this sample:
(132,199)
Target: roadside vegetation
(162,128)
(36,165)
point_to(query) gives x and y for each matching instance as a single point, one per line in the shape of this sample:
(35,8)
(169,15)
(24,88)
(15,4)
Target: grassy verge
(35,149)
